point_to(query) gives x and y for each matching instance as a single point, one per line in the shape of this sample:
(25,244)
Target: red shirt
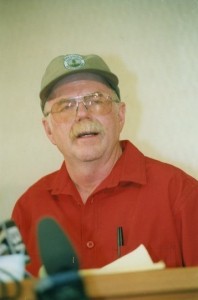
(156,204)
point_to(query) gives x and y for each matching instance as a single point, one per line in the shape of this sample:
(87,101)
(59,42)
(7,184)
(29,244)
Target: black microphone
(60,262)
(11,240)
(56,250)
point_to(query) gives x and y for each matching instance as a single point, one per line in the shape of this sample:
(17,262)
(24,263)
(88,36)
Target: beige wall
(150,44)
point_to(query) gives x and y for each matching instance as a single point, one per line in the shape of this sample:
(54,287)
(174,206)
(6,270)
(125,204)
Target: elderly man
(104,183)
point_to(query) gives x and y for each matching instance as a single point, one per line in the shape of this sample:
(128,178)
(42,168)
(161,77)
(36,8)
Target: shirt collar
(62,182)
(130,168)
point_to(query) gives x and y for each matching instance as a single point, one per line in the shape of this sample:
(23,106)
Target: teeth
(87,133)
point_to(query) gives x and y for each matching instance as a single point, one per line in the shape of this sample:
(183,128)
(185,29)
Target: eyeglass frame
(81,99)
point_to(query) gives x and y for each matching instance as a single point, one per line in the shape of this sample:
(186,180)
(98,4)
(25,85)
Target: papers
(137,260)
(12,267)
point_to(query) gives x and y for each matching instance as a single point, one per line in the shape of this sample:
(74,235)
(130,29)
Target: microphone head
(11,240)
(56,251)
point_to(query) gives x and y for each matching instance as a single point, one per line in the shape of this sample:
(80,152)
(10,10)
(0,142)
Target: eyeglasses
(97,103)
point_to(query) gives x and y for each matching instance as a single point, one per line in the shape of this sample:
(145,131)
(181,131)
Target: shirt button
(90,244)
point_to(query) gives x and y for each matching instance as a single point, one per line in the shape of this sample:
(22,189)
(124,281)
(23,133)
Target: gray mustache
(86,126)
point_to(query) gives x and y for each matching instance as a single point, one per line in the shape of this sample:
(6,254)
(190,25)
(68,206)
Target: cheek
(60,133)
(112,125)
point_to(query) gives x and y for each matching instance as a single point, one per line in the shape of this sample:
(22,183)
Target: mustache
(86,127)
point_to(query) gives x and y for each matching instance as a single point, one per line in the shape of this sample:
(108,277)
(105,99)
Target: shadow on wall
(128,90)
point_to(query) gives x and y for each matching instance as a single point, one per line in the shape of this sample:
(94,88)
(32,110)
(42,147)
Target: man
(105,184)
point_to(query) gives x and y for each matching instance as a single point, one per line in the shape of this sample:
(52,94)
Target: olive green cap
(65,65)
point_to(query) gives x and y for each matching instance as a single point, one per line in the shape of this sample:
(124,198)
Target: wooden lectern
(168,284)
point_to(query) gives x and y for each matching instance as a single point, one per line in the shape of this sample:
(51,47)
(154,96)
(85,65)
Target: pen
(120,240)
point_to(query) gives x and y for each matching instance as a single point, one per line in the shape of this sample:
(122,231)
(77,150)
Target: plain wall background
(150,44)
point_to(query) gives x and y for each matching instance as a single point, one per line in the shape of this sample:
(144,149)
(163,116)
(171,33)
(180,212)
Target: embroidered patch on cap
(73,61)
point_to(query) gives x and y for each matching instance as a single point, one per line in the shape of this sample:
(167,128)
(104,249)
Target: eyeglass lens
(96,103)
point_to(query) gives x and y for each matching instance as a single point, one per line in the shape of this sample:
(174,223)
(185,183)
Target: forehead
(75,84)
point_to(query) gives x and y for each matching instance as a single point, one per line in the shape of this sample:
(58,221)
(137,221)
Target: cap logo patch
(73,61)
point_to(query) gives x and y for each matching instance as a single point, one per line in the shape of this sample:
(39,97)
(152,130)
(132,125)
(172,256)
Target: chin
(89,156)
(88,152)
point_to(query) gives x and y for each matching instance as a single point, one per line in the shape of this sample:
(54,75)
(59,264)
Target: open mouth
(86,129)
(87,134)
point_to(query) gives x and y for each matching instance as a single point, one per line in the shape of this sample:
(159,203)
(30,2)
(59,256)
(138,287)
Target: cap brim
(111,78)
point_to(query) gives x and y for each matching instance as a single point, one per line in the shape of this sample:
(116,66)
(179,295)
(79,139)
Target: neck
(87,176)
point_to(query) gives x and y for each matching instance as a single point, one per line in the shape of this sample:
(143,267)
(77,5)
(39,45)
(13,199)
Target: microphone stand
(65,285)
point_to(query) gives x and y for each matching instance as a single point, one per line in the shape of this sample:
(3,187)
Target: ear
(121,114)
(48,130)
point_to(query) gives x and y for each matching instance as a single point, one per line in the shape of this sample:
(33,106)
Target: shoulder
(170,179)
(44,183)
(40,191)
(154,169)
(162,176)
(166,170)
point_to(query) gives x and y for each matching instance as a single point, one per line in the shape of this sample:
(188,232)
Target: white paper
(12,267)
(137,260)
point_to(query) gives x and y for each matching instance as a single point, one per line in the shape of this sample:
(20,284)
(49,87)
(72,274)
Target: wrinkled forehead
(74,80)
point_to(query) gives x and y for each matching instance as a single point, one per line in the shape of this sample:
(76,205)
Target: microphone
(13,256)
(11,240)
(56,251)
(60,262)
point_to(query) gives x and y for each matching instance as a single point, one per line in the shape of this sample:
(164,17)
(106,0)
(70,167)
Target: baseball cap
(65,65)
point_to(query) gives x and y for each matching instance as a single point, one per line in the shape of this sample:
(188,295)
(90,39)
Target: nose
(81,109)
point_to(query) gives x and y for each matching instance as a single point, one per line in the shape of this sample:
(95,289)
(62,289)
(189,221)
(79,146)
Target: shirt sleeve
(189,228)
